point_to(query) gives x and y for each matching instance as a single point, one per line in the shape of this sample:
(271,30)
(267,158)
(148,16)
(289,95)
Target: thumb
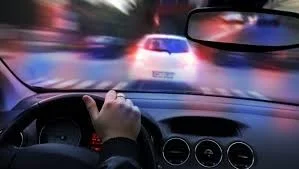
(91,106)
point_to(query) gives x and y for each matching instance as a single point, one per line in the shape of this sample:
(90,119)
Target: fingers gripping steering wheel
(49,156)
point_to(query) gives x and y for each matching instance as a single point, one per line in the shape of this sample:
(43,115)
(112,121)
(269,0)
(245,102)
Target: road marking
(67,83)
(84,84)
(48,44)
(223,92)
(121,85)
(257,95)
(206,90)
(38,80)
(48,82)
(103,85)
(239,93)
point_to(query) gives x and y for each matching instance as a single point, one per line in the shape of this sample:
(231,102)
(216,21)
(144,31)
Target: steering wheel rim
(147,160)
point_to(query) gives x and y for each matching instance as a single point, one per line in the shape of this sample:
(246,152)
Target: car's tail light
(139,57)
(189,60)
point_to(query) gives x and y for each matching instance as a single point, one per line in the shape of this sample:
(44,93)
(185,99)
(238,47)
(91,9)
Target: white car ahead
(233,17)
(238,18)
(164,58)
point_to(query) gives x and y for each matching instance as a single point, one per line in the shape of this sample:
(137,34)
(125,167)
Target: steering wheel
(50,156)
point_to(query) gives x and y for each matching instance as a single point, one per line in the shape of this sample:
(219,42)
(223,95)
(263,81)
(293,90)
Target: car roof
(166,36)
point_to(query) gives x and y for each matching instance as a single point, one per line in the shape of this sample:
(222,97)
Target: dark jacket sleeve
(119,153)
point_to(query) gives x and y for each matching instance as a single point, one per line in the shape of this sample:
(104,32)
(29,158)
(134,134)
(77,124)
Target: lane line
(257,95)
(49,82)
(206,90)
(66,84)
(239,93)
(104,85)
(223,91)
(84,84)
(121,85)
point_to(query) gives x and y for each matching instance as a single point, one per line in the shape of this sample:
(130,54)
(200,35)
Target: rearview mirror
(257,30)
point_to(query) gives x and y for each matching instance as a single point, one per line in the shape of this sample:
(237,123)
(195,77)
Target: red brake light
(190,59)
(140,55)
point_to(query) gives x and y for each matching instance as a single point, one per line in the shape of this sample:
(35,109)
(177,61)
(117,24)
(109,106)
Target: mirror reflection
(244,28)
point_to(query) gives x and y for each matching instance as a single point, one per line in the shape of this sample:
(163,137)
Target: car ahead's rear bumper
(142,72)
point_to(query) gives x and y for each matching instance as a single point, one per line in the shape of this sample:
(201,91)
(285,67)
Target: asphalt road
(68,70)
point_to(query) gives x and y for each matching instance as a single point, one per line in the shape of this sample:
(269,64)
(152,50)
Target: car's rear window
(171,45)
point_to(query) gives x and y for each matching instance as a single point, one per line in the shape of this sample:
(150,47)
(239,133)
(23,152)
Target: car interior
(51,128)
(183,131)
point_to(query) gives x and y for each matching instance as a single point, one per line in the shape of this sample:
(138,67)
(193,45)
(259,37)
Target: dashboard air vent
(176,151)
(240,155)
(208,153)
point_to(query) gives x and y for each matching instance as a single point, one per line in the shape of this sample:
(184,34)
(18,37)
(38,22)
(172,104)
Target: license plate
(163,75)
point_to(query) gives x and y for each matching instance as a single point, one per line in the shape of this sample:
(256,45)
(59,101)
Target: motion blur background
(62,24)
(89,44)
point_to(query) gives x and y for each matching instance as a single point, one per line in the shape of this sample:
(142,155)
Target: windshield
(113,44)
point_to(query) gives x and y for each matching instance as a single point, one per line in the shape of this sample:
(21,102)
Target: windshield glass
(115,44)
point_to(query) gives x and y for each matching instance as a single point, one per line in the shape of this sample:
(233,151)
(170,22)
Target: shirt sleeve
(123,147)
(120,153)
(118,162)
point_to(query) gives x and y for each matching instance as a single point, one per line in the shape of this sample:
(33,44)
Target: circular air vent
(208,153)
(240,155)
(176,151)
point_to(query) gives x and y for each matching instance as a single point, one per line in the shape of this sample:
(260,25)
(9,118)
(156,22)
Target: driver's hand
(117,118)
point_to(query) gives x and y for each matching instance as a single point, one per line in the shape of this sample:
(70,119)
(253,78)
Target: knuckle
(121,104)
(90,106)
(128,108)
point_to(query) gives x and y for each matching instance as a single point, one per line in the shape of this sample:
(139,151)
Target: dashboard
(186,131)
